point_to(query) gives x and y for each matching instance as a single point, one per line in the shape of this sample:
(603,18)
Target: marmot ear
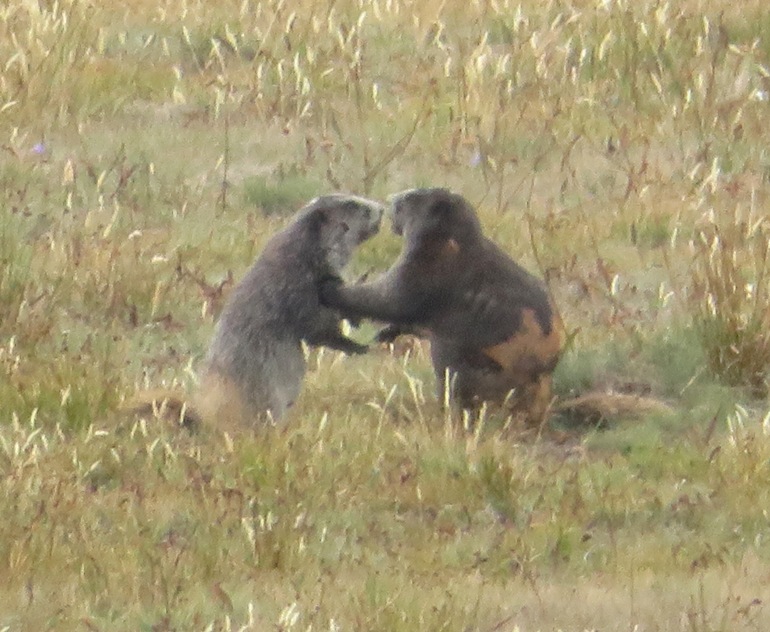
(320,216)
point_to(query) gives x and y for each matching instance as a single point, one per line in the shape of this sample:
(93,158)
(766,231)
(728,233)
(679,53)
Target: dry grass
(148,151)
(730,283)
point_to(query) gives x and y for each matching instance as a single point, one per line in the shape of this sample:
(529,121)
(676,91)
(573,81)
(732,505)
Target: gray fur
(257,344)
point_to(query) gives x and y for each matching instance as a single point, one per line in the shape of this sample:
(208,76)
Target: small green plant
(650,232)
(283,195)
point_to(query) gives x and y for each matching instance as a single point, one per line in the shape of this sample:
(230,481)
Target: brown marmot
(491,324)
(255,364)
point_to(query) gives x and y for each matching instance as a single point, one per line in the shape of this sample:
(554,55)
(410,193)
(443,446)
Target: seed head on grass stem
(731,299)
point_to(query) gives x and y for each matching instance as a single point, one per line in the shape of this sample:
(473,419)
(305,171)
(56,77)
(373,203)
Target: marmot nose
(377,211)
(374,225)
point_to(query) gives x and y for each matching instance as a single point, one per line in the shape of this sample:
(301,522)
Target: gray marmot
(492,327)
(255,364)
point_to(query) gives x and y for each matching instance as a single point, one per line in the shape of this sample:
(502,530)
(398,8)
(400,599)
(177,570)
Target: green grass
(283,197)
(147,153)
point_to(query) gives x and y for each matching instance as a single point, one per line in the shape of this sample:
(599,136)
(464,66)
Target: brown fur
(491,324)
(530,345)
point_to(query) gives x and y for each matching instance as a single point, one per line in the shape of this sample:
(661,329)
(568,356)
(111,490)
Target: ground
(618,150)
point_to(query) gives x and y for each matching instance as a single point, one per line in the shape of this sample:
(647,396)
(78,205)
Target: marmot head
(340,222)
(434,214)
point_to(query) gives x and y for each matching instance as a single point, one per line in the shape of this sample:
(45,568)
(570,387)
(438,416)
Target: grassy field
(619,149)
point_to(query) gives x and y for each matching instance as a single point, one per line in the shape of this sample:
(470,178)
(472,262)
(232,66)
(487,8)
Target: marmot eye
(344,226)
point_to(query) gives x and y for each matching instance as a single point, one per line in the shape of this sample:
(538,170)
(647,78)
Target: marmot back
(491,324)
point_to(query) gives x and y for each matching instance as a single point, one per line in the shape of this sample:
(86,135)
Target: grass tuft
(730,285)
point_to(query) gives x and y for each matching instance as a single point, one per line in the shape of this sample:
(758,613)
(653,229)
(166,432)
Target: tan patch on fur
(450,249)
(218,402)
(527,359)
(529,349)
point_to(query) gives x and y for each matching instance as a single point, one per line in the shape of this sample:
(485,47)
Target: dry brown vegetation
(149,148)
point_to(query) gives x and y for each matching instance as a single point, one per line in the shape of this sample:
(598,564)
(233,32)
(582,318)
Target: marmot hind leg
(469,387)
